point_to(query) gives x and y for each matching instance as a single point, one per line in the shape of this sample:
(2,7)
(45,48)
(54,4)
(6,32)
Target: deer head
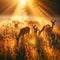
(53,23)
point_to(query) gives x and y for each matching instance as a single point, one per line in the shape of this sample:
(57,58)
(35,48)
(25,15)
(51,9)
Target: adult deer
(22,32)
(47,27)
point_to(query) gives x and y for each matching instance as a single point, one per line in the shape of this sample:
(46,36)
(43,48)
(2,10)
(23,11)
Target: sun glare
(23,2)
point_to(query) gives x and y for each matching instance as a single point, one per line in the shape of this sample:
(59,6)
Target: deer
(47,27)
(35,28)
(22,32)
(16,23)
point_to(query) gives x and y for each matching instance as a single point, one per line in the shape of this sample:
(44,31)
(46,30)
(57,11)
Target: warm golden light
(23,2)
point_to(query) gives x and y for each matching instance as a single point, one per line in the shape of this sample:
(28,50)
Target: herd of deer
(25,30)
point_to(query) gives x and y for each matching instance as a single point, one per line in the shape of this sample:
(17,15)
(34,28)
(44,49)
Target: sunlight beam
(23,3)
